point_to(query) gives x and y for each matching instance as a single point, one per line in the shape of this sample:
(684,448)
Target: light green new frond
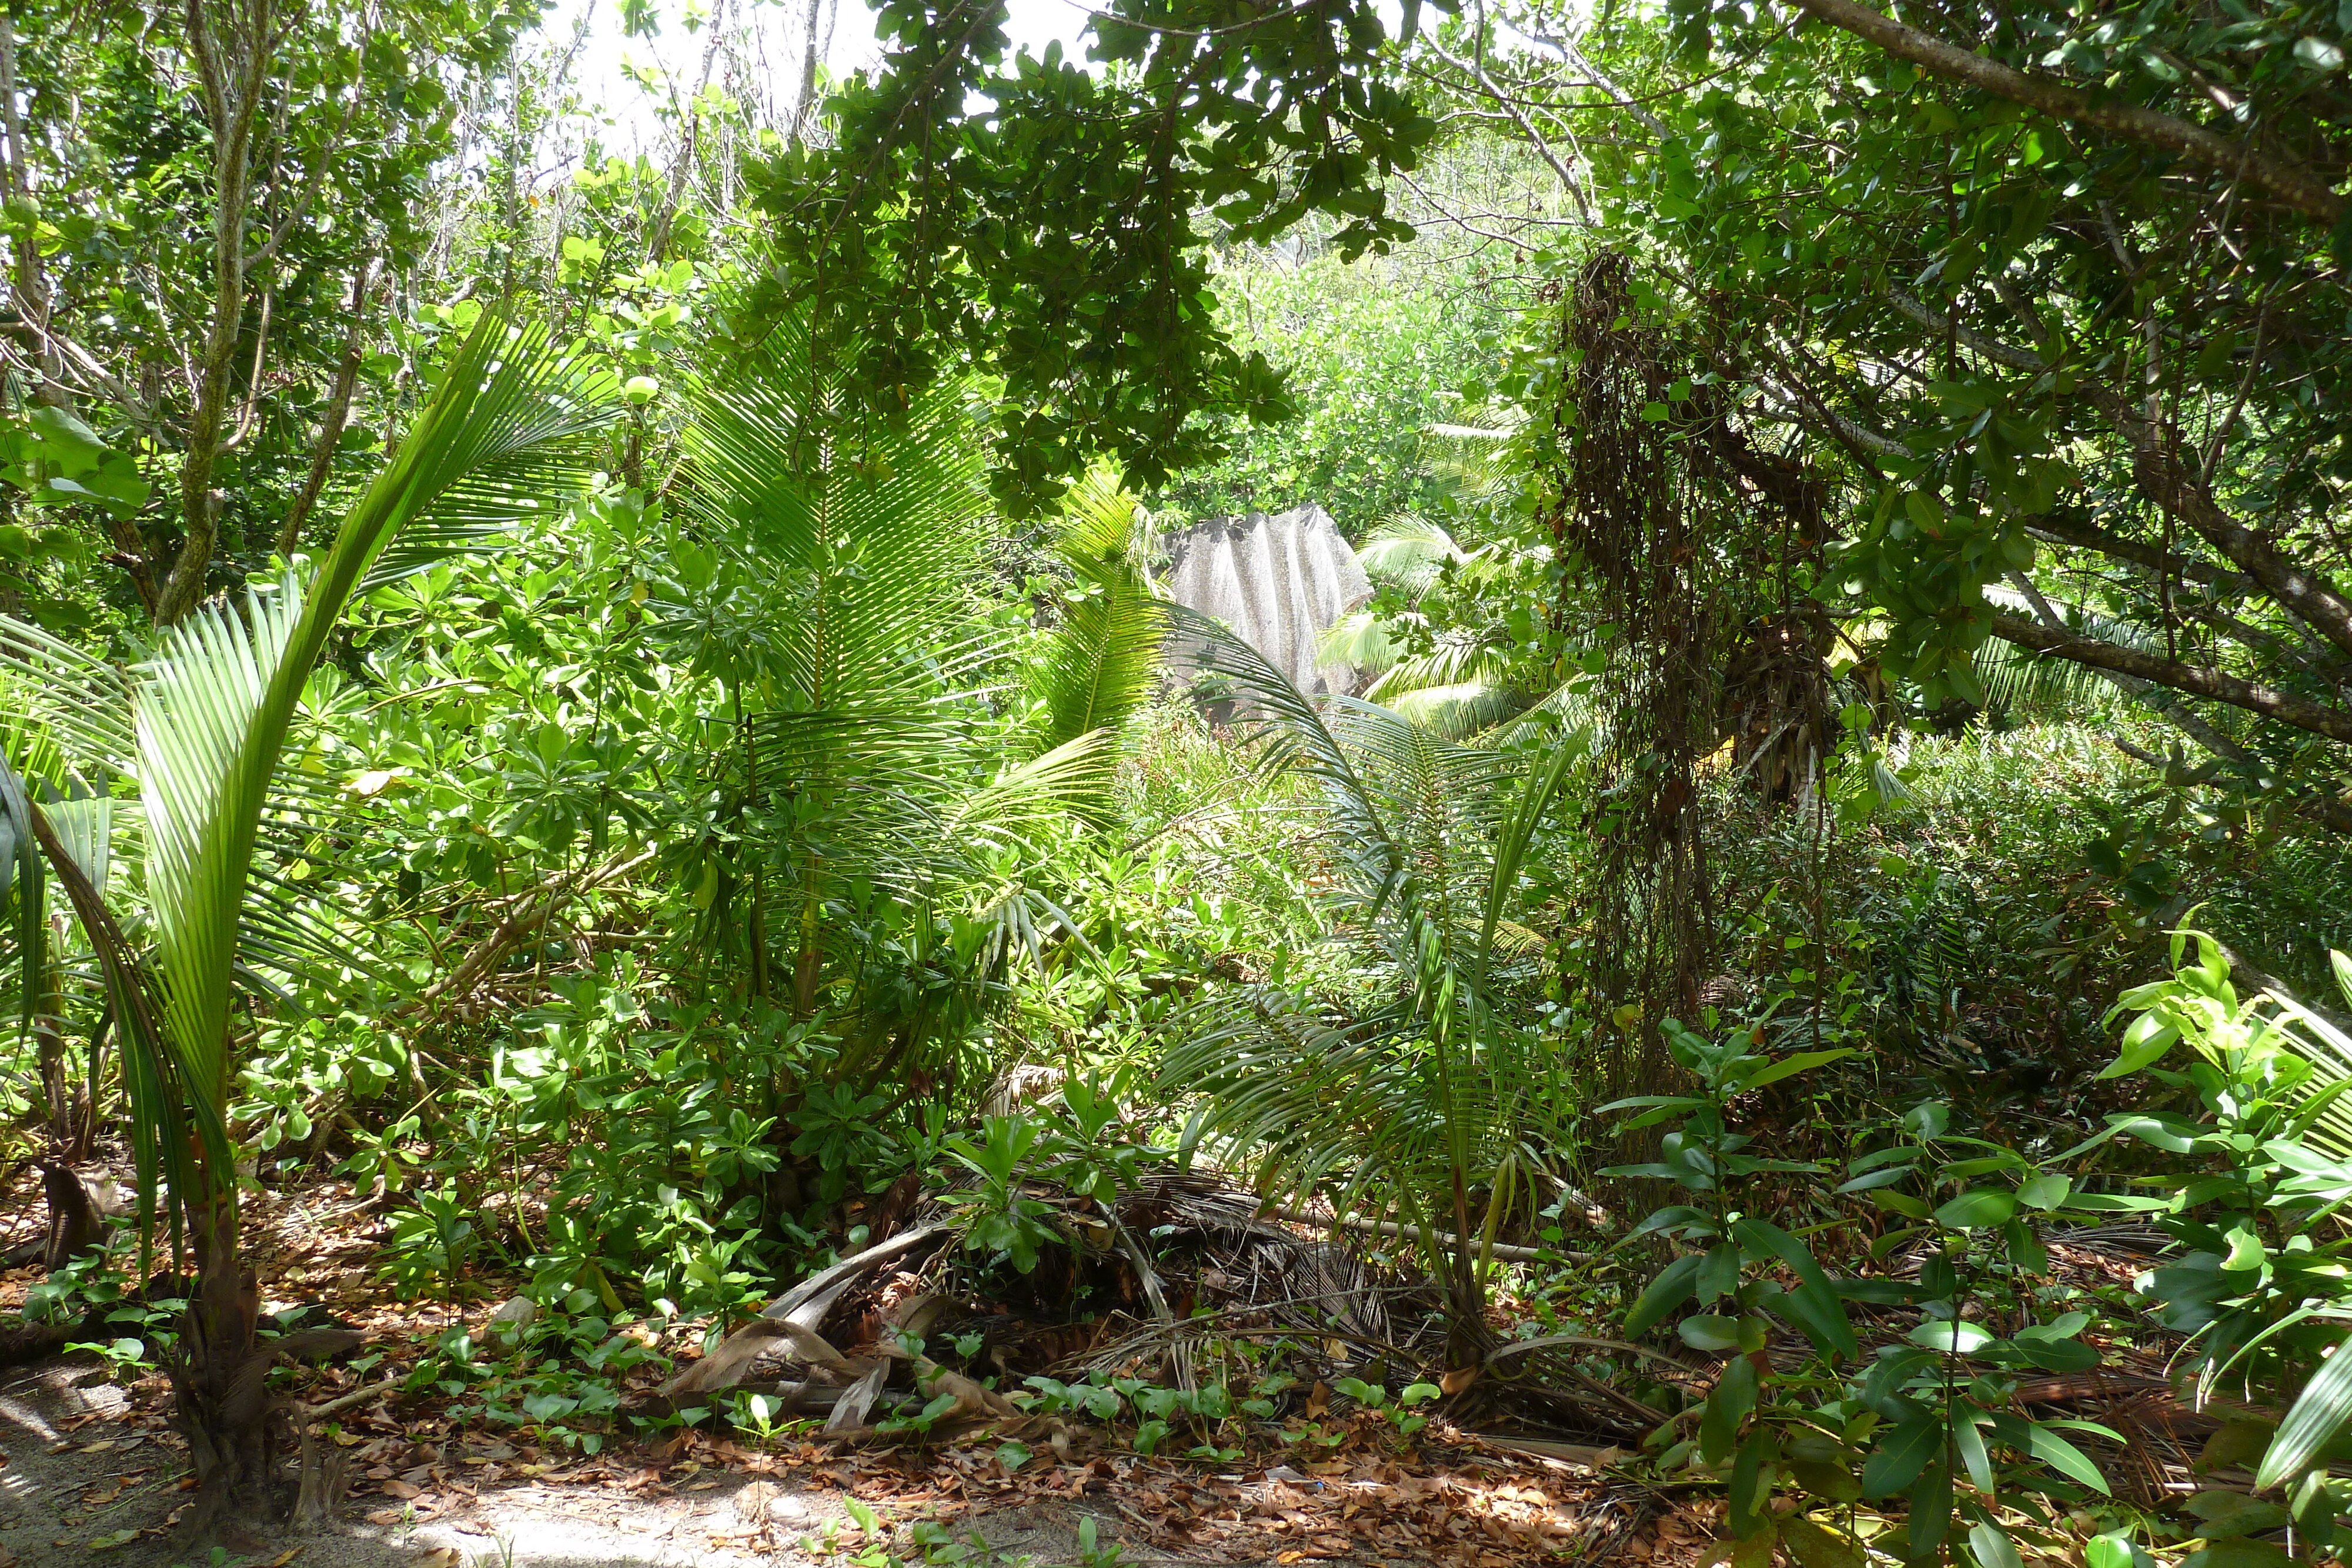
(85,827)
(203,774)
(873,536)
(64,712)
(498,444)
(1023,803)
(208,715)
(1358,639)
(1100,664)
(1457,711)
(1408,554)
(1098,517)
(2016,678)
(1288,730)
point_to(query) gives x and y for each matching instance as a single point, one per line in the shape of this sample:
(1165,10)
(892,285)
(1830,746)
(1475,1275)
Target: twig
(310,1413)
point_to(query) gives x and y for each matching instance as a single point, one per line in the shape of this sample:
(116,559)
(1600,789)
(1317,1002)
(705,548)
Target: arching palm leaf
(1100,667)
(1430,1093)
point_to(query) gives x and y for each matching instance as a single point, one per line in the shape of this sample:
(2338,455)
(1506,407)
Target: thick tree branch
(2136,686)
(2196,680)
(529,913)
(2300,188)
(2166,474)
(2056,529)
(1474,68)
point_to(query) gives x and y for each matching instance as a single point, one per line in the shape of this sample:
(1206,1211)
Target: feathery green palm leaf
(1100,664)
(1430,1092)
(207,715)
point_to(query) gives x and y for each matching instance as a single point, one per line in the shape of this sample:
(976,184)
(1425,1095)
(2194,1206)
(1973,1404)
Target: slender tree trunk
(232,61)
(804,104)
(689,144)
(32,279)
(339,413)
(49,1049)
(31,283)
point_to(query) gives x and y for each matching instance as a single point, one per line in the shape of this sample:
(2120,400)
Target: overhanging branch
(2295,187)
(2196,680)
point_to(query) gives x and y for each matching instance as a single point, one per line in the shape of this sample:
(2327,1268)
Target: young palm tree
(1429,1094)
(195,732)
(1104,659)
(881,818)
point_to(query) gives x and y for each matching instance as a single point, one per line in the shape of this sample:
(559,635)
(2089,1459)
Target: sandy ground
(86,1482)
(80,1486)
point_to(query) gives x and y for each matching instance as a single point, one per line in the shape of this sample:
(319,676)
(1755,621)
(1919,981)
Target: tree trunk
(49,1049)
(75,1224)
(218,1376)
(233,61)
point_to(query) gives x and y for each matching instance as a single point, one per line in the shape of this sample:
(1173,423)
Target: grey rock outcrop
(1278,580)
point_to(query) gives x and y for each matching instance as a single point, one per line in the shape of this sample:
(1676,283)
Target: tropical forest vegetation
(625,881)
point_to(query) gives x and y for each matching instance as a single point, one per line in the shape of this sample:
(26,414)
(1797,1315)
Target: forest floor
(92,1473)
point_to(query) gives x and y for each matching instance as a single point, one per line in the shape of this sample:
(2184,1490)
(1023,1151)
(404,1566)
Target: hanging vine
(1676,539)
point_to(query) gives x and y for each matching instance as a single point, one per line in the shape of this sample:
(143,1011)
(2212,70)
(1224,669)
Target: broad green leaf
(1992,1546)
(1931,1510)
(1945,1335)
(2057,1356)
(2319,1412)
(1802,1062)
(2144,1044)
(2238,1445)
(2045,1192)
(1899,1457)
(1831,1483)
(1674,1284)
(1815,1547)
(1969,1444)
(1726,1408)
(1824,1316)
(1975,1210)
(2063,1457)
(1710,1332)
(2228,1514)
(2239,1555)
(2109,1551)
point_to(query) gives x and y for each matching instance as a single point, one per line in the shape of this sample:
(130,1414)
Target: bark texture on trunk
(221,1403)
(231,46)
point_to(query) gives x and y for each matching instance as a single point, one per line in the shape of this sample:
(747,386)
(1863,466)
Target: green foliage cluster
(1374,354)
(731,728)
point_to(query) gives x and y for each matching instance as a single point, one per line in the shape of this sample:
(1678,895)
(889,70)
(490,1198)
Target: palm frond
(1461,686)
(2018,680)
(65,712)
(1031,799)
(22,886)
(872,536)
(1101,663)
(1287,730)
(1408,554)
(1427,1092)
(1473,462)
(206,755)
(1358,639)
(208,712)
(496,445)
